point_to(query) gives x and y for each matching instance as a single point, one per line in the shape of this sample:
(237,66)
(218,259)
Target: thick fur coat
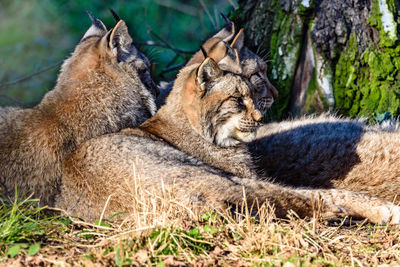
(103,87)
(206,115)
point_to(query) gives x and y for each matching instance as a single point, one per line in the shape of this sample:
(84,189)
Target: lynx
(207,117)
(328,152)
(103,87)
(229,51)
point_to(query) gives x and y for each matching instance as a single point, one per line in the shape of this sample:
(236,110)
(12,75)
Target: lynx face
(219,106)
(255,69)
(228,50)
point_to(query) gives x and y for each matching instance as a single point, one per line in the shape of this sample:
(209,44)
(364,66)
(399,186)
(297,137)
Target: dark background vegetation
(37,35)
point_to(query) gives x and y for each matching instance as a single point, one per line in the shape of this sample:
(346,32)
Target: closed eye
(256,78)
(239,102)
(257,82)
(142,71)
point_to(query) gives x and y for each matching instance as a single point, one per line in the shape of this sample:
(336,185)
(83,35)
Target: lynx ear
(206,72)
(119,40)
(219,51)
(228,31)
(97,28)
(203,51)
(238,41)
(231,60)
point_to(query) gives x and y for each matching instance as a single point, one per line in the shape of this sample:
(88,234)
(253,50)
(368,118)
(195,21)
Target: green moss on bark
(366,83)
(284,53)
(365,75)
(285,46)
(388,35)
(314,103)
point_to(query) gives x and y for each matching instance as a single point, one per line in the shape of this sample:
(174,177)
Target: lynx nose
(270,87)
(256,114)
(251,110)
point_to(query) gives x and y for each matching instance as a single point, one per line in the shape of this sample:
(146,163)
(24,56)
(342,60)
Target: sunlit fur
(103,87)
(255,69)
(331,152)
(171,154)
(234,119)
(238,59)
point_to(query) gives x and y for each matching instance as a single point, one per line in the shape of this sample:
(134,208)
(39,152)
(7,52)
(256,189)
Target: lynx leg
(302,202)
(359,205)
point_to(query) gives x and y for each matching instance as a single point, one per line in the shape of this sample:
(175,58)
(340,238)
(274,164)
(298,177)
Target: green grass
(24,226)
(33,235)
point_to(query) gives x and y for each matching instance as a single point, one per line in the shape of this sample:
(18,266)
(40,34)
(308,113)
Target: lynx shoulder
(104,86)
(207,116)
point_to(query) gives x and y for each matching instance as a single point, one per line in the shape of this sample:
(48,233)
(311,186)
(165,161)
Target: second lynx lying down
(327,152)
(207,109)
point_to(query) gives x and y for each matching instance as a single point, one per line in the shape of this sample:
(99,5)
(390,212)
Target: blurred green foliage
(37,34)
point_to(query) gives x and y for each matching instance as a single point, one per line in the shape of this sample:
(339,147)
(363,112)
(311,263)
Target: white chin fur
(226,133)
(229,135)
(245,136)
(227,142)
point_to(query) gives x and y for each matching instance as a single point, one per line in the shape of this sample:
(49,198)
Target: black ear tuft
(97,28)
(116,17)
(207,72)
(227,21)
(203,51)
(228,31)
(92,18)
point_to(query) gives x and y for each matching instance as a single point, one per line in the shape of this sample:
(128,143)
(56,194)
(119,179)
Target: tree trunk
(325,55)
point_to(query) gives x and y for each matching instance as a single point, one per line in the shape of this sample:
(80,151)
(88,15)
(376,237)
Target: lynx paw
(386,215)
(336,212)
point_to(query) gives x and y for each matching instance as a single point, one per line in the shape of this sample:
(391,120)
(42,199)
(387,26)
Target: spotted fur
(331,152)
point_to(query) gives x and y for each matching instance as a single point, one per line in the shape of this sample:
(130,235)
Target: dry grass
(163,232)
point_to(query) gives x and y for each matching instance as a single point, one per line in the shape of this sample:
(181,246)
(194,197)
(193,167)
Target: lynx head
(219,106)
(255,70)
(228,50)
(109,72)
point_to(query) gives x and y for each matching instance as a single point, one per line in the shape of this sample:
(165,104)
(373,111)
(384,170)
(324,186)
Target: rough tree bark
(324,55)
